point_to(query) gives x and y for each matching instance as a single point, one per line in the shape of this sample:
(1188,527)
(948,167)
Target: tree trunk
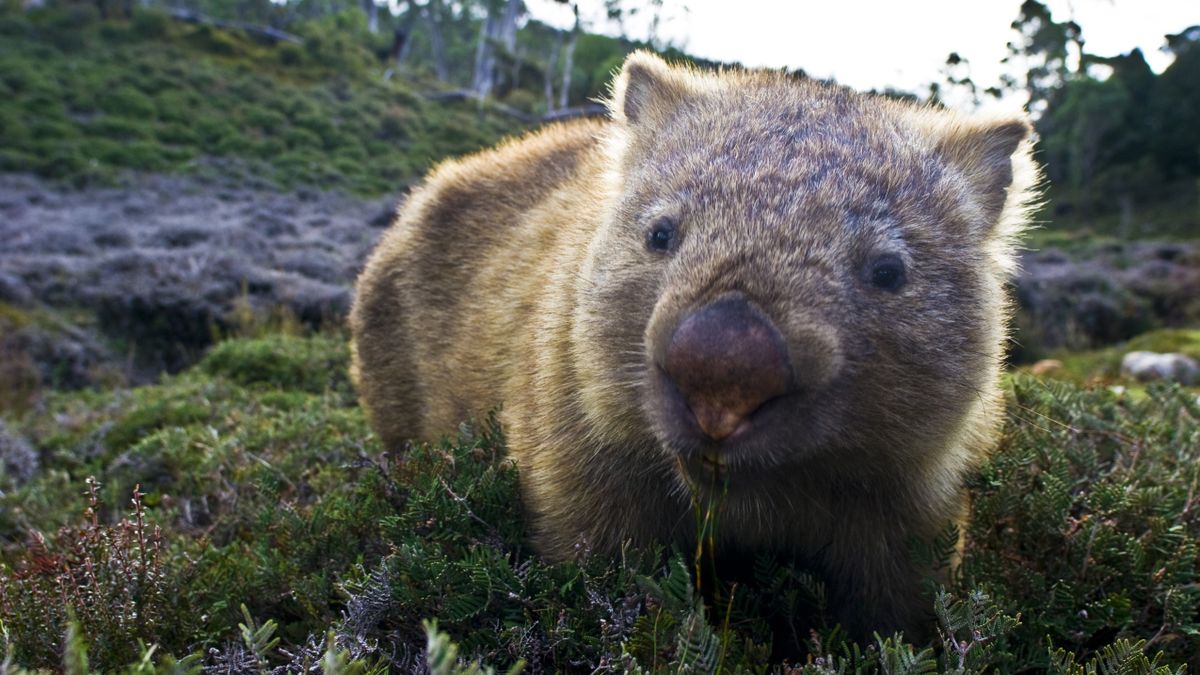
(498,29)
(485,59)
(514,76)
(402,36)
(506,32)
(372,12)
(568,67)
(551,70)
(433,17)
(655,18)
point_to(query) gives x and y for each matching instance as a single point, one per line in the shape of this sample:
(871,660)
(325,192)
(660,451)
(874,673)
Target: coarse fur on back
(743,279)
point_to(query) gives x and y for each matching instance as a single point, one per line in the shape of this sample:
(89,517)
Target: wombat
(743,282)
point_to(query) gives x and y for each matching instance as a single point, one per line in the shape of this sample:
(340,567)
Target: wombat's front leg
(874,584)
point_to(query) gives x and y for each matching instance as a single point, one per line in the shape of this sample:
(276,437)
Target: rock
(1046,366)
(1147,366)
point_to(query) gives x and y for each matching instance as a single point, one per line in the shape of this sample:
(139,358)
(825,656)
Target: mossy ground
(1102,367)
(259,484)
(84,100)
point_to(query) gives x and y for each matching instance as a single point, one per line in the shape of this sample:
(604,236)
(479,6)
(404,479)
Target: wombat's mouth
(753,447)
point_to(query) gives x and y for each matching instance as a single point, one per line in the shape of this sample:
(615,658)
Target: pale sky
(901,43)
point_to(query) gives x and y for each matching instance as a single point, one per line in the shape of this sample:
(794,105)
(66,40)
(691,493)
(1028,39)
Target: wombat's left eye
(887,273)
(661,235)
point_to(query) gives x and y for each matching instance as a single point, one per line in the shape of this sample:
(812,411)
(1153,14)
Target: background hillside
(187,192)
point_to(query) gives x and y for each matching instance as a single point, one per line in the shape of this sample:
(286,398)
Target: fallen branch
(468,95)
(271,34)
(585,110)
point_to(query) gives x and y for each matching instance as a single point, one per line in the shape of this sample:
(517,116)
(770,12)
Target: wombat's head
(790,274)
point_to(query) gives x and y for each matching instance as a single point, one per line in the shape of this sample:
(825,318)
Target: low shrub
(313,365)
(129,103)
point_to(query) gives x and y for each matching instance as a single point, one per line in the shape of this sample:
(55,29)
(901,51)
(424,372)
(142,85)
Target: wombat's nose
(727,360)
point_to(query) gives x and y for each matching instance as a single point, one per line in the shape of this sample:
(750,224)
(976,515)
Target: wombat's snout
(727,360)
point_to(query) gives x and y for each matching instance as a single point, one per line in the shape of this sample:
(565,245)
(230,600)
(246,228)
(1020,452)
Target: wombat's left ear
(647,90)
(987,153)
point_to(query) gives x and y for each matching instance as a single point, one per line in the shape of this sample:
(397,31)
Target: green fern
(260,641)
(697,647)
(898,658)
(75,650)
(441,655)
(1119,658)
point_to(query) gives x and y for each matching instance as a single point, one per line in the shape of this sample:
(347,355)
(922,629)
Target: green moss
(313,364)
(181,408)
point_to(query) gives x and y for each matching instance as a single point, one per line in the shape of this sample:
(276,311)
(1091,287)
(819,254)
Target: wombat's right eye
(661,235)
(887,273)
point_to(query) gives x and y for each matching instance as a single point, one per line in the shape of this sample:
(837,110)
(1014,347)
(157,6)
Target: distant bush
(51,128)
(216,41)
(15,26)
(119,128)
(297,137)
(127,102)
(68,26)
(150,23)
(60,160)
(175,133)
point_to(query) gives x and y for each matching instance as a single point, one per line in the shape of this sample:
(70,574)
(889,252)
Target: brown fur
(521,277)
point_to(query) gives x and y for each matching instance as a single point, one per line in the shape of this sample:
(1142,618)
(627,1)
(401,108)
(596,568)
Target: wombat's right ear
(647,90)
(992,156)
